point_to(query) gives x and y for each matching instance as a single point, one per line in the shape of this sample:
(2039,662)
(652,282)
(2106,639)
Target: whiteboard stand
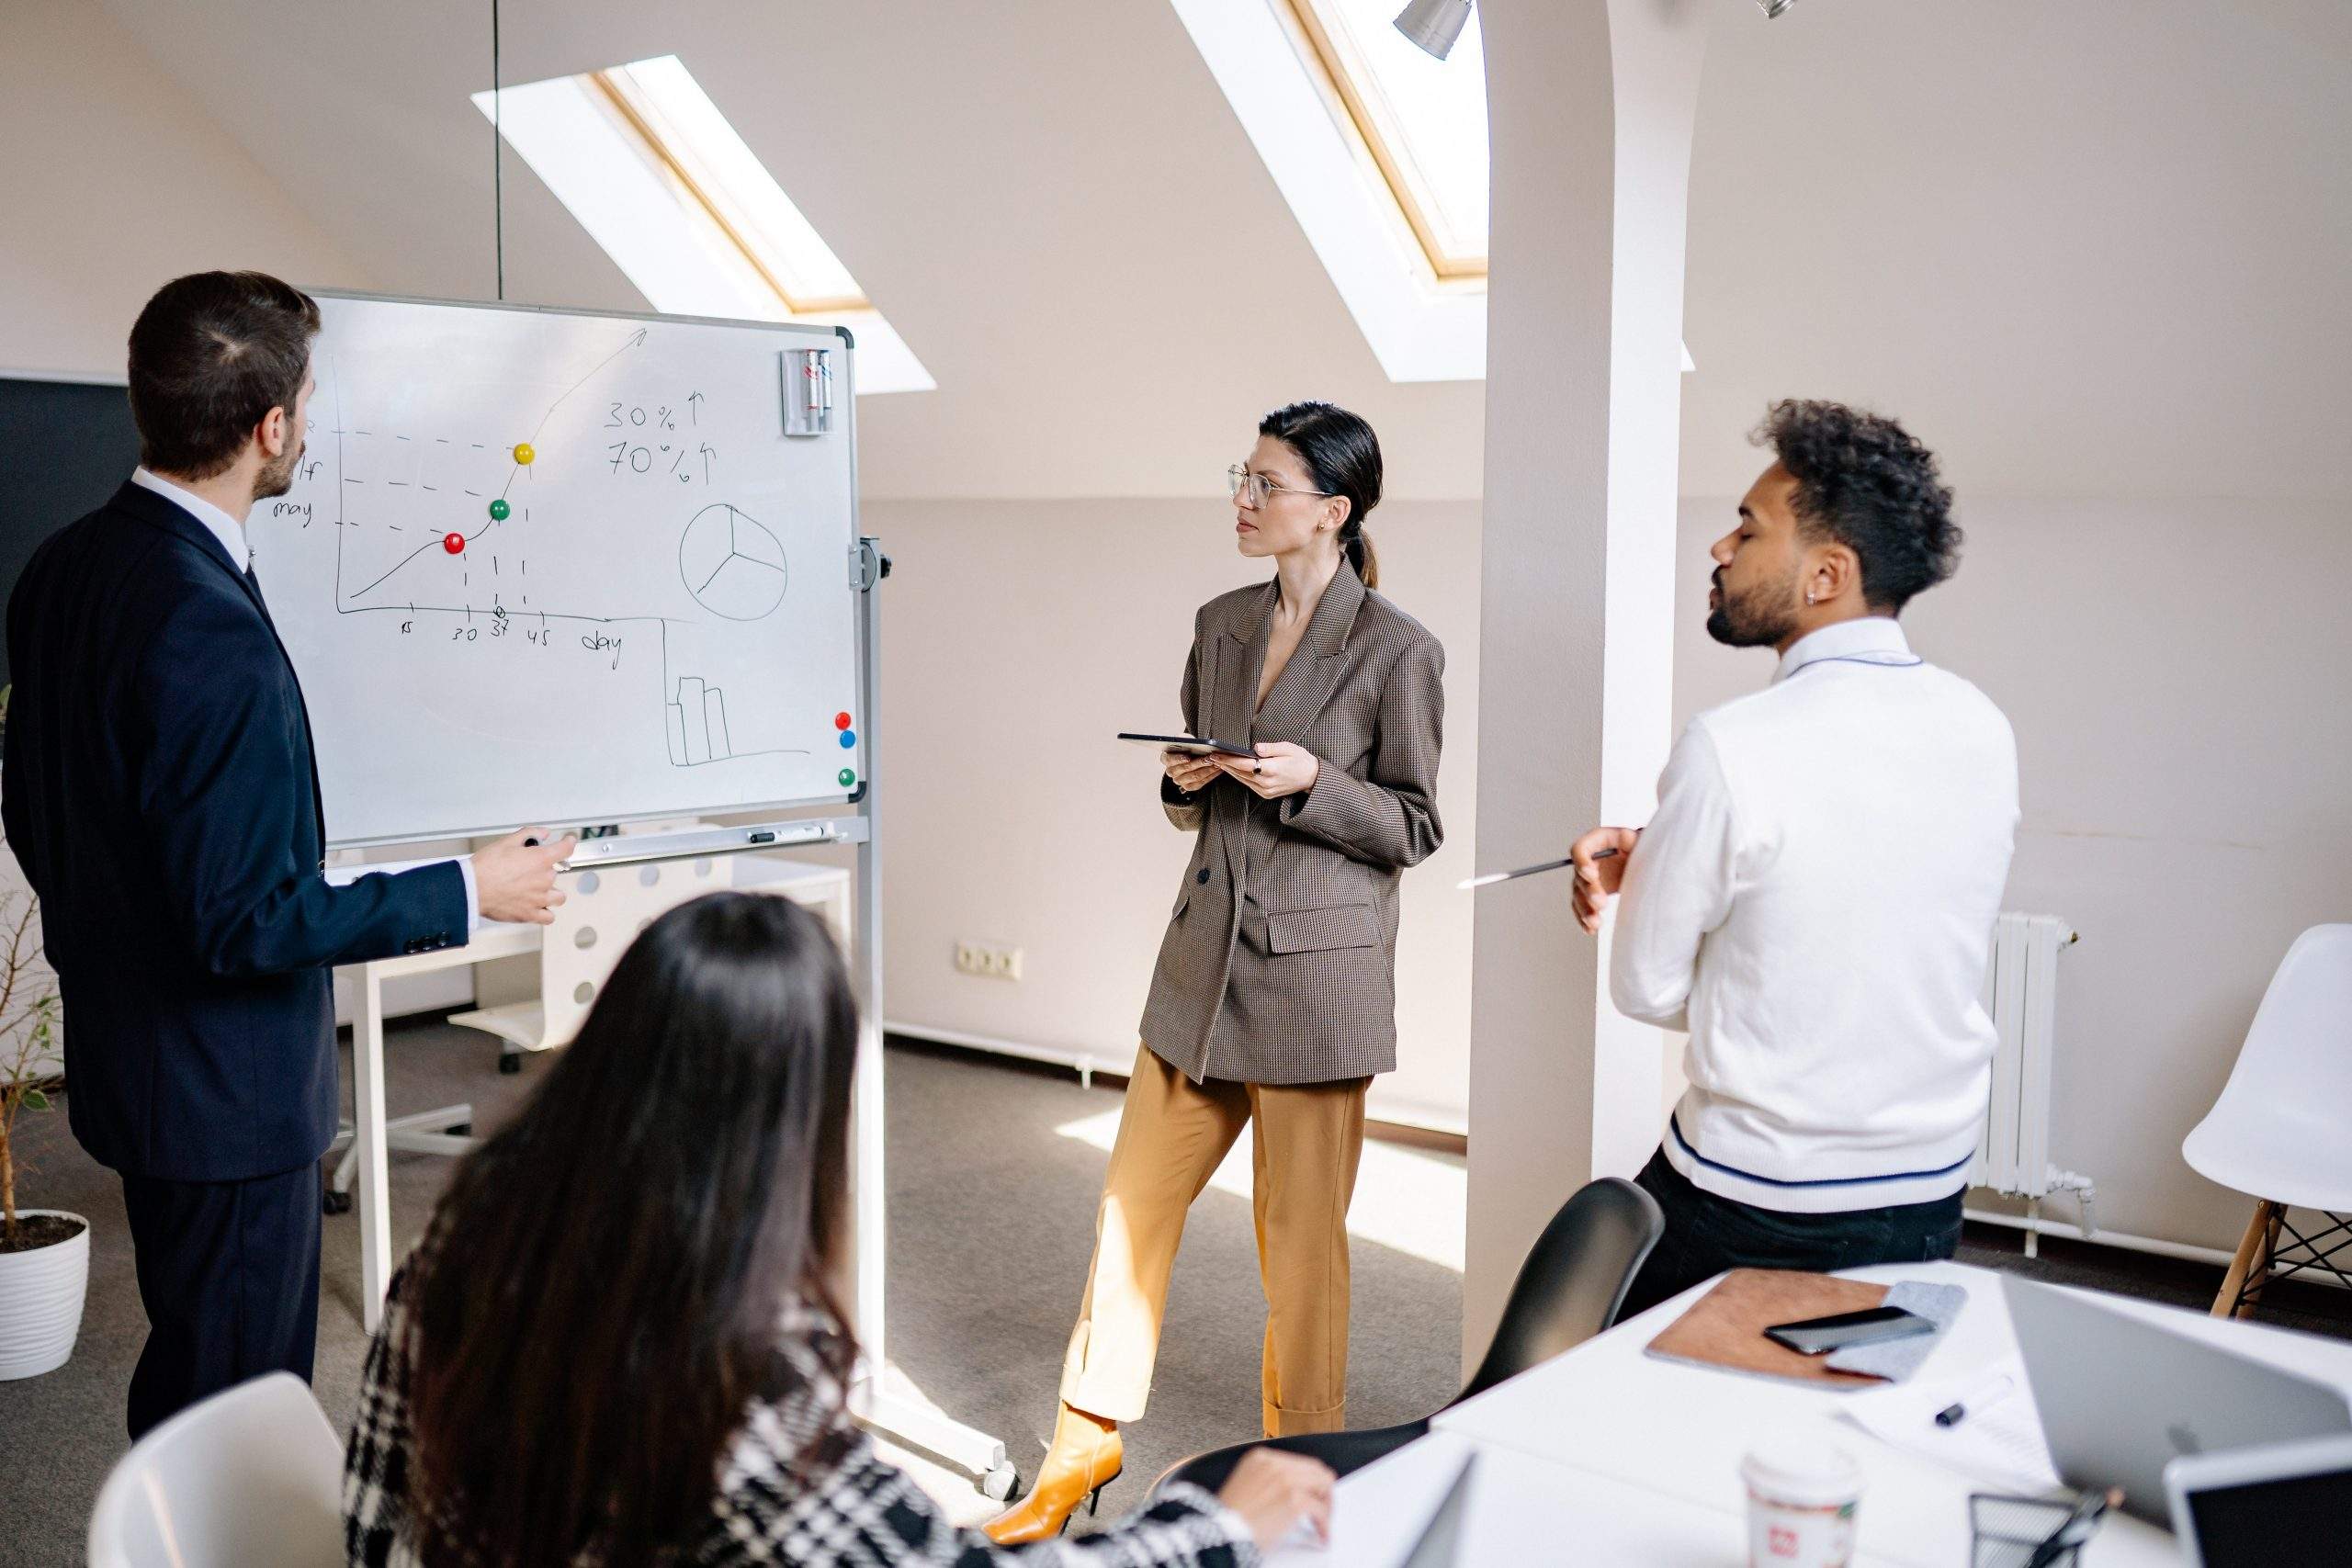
(871,1399)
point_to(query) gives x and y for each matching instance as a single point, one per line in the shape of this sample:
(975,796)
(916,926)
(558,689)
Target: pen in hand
(1495,876)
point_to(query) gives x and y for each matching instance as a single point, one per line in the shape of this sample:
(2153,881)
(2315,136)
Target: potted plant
(44,1254)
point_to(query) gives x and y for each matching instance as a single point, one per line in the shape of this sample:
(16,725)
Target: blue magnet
(849,738)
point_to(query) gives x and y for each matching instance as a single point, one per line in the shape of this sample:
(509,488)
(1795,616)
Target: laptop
(2279,1506)
(2122,1397)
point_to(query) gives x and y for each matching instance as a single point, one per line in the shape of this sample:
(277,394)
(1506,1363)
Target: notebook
(1724,1328)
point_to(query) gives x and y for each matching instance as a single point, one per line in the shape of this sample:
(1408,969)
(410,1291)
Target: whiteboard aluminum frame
(849,433)
(69,379)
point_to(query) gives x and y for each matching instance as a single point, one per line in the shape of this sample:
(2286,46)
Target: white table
(1610,1456)
(1521,1509)
(820,886)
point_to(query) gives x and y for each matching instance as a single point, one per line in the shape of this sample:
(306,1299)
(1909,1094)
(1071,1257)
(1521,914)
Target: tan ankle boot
(1086,1456)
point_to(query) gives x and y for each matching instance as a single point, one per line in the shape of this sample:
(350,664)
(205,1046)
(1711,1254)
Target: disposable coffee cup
(1802,1494)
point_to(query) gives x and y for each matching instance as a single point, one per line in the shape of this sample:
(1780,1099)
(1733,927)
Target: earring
(1808,598)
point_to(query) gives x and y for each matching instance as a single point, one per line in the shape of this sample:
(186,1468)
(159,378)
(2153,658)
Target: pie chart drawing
(731,564)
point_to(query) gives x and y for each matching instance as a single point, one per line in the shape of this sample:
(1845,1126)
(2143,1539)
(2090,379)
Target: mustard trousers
(1172,1134)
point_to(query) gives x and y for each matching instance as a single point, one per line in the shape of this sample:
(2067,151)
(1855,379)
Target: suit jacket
(161,793)
(1280,962)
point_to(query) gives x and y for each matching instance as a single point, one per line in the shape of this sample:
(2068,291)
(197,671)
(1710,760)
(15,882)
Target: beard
(1763,616)
(277,476)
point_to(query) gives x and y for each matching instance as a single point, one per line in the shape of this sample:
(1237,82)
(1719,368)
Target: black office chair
(1569,1289)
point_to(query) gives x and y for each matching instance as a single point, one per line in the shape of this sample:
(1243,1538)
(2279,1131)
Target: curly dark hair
(1867,482)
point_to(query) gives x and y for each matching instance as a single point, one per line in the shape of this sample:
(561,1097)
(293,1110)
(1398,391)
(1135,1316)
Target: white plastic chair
(602,913)
(251,1478)
(2283,1129)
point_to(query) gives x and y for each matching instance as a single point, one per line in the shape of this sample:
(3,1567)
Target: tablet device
(1192,743)
(2275,1504)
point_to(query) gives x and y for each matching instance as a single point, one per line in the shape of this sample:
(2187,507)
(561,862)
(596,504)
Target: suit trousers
(1307,1140)
(229,1274)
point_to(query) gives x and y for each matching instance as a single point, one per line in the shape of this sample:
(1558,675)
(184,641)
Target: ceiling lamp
(1433,25)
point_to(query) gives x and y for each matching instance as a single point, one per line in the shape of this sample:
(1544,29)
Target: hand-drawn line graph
(745,579)
(344,604)
(731,564)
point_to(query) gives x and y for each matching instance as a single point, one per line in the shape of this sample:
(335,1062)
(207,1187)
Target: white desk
(1525,1509)
(1654,1446)
(820,886)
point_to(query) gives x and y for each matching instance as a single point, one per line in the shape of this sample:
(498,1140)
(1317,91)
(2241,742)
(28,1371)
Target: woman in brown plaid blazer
(1274,999)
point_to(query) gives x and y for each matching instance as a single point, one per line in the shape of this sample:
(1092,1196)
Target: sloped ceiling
(2092,248)
(2098,247)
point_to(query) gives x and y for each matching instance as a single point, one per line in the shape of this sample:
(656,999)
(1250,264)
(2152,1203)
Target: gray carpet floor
(990,1224)
(991,1221)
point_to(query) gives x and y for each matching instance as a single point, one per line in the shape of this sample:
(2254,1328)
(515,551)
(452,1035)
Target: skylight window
(1381,157)
(1423,121)
(650,168)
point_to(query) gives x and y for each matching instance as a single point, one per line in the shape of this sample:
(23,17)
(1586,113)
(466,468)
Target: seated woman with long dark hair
(617,1344)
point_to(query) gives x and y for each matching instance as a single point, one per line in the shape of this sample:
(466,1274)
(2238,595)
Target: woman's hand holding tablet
(1280,768)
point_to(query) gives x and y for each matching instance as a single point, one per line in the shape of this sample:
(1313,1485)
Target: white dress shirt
(231,534)
(1814,902)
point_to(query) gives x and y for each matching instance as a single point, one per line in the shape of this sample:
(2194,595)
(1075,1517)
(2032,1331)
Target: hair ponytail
(1340,449)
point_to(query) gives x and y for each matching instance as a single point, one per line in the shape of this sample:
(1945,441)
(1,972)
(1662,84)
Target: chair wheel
(510,1063)
(1001,1484)
(335,1203)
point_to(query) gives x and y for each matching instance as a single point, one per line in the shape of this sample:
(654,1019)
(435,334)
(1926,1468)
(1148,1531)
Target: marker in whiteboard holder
(807,380)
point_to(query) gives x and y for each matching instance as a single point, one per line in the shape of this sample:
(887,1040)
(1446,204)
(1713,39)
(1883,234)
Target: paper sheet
(1998,1441)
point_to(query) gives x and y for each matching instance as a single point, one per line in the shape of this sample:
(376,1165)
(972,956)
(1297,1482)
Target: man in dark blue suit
(162,794)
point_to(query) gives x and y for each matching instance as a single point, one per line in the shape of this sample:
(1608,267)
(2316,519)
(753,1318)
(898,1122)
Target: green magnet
(498,511)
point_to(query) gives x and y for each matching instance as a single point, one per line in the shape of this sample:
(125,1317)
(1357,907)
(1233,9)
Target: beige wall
(113,182)
(1018,639)
(2180,676)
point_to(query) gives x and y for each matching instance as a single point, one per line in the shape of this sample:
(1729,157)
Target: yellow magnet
(523,453)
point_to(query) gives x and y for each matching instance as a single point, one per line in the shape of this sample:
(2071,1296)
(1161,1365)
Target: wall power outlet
(987,961)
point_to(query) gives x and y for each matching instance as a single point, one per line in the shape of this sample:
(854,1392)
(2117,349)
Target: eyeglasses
(1239,482)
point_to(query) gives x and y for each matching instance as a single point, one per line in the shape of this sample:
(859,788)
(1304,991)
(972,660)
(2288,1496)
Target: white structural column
(1591,104)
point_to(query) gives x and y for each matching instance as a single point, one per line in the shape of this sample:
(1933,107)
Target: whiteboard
(652,616)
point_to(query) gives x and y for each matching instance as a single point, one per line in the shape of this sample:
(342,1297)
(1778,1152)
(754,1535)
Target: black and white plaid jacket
(802,1485)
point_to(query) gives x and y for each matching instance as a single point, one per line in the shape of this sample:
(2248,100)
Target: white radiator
(2021,996)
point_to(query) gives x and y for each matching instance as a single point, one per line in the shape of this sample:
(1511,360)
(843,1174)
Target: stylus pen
(1495,876)
(2075,1530)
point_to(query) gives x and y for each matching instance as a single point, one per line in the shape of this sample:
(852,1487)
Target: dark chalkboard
(64,447)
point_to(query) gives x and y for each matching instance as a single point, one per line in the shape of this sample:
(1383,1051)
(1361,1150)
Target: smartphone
(1819,1336)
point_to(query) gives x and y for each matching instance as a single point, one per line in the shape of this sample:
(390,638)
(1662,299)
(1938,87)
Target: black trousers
(229,1274)
(1706,1234)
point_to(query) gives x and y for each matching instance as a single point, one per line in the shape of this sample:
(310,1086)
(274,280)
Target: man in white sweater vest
(1814,899)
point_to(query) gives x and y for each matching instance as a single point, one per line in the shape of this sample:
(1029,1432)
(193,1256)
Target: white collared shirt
(231,534)
(219,524)
(1814,902)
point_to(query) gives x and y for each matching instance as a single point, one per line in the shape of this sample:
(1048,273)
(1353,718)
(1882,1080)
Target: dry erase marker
(1952,1414)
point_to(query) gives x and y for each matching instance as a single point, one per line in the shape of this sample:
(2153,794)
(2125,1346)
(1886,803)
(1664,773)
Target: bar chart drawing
(698,724)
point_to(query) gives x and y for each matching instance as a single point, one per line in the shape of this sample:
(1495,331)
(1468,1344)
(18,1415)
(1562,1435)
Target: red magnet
(840,721)
(453,543)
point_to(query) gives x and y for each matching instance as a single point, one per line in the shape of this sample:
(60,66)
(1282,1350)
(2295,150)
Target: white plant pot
(41,1301)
